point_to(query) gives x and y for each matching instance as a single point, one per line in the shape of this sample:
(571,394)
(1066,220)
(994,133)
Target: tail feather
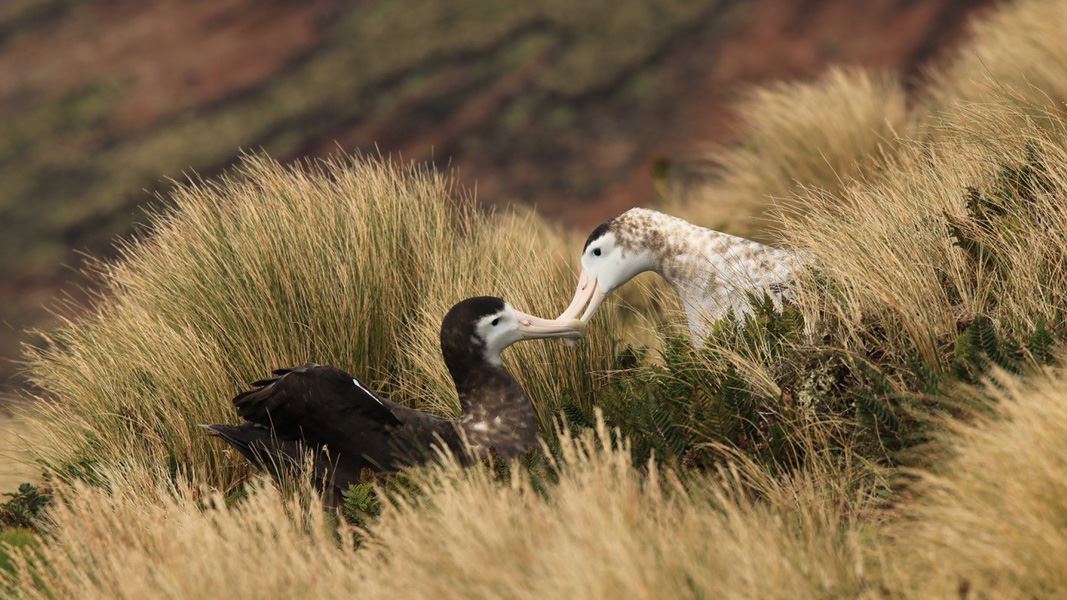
(284,460)
(254,442)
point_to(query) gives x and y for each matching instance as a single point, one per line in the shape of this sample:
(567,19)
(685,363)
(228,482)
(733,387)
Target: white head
(483,327)
(612,256)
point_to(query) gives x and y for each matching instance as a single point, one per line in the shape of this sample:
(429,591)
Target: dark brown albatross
(349,428)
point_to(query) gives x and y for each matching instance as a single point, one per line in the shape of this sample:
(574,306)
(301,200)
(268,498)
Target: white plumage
(713,272)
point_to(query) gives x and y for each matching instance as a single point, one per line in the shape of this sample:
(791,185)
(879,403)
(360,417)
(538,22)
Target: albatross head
(483,327)
(615,252)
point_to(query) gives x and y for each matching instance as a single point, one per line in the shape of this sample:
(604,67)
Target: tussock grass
(847,175)
(1016,57)
(647,534)
(144,535)
(350,263)
(991,518)
(824,134)
(818,134)
(890,272)
(606,528)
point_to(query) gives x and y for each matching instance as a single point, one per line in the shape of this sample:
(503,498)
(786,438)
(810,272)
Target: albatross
(349,428)
(712,272)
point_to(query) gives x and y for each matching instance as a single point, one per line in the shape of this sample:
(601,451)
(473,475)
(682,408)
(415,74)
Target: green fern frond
(1040,344)
(575,416)
(361,503)
(876,408)
(965,237)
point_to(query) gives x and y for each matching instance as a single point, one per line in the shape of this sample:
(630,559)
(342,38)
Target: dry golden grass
(884,258)
(346,263)
(352,263)
(818,134)
(147,537)
(607,529)
(823,134)
(992,518)
(15,466)
(862,186)
(1017,56)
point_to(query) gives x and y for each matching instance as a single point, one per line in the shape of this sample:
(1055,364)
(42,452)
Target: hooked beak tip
(585,291)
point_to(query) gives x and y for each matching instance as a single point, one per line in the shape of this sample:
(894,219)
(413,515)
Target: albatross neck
(688,256)
(664,238)
(476,378)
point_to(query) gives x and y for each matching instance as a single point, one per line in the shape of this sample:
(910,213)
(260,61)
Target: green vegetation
(23,507)
(694,409)
(21,522)
(17,540)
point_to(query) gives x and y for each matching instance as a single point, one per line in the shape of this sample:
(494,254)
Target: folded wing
(318,404)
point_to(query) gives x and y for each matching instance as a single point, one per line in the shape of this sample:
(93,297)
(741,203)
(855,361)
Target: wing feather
(317,403)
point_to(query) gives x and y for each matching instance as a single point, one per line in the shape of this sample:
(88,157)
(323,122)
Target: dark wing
(319,404)
(322,406)
(287,460)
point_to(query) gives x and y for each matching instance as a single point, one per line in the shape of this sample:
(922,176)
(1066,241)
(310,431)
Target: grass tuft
(349,262)
(797,135)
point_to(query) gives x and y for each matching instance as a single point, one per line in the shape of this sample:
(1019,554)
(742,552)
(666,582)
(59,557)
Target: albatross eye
(496,321)
(596,252)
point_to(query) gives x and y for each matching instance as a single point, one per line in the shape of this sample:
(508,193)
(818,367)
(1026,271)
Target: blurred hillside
(562,105)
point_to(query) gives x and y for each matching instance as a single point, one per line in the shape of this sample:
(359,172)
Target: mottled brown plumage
(714,273)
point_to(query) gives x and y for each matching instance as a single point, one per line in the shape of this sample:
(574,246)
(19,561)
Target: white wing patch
(368,392)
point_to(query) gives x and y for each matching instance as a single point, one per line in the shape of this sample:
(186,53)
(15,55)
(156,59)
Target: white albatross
(713,272)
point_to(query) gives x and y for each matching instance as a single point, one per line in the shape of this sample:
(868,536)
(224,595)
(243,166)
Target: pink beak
(531,327)
(588,296)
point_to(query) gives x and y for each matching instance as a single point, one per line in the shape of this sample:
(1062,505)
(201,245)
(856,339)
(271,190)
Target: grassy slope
(817,134)
(233,278)
(888,287)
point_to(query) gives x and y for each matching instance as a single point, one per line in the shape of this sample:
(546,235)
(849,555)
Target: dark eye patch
(599,231)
